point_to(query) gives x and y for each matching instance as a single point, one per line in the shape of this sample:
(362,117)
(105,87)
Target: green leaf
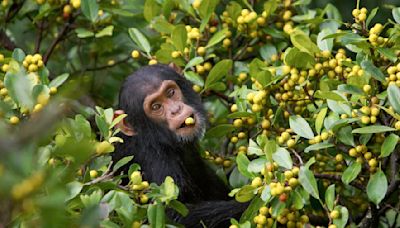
(318,146)
(156,215)
(371,16)
(282,158)
(263,77)
(252,209)
(20,88)
(388,53)
(345,136)
(107,31)
(303,42)
(217,37)
(394,97)
(351,172)
(220,130)
(179,37)
(319,121)
(330,197)
(117,120)
(307,180)
(257,165)
(295,57)
(270,7)
(18,54)
(372,70)
(240,115)
(344,216)
(193,62)
(301,127)
(267,51)
(253,148)
(162,25)
(243,162)
(122,162)
(377,187)
(83,33)
(245,194)
(151,9)
(74,188)
(218,71)
(373,129)
(179,207)
(206,9)
(217,86)
(396,14)
(389,145)
(329,95)
(351,89)
(194,78)
(140,40)
(324,44)
(102,125)
(168,190)
(59,80)
(269,149)
(339,107)
(90,9)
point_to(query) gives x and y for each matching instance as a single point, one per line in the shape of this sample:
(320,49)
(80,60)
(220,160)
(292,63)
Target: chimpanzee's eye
(170,92)
(155,106)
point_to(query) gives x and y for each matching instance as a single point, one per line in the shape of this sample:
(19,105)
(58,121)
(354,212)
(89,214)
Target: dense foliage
(304,109)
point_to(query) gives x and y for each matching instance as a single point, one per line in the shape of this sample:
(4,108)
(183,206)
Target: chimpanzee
(158,101)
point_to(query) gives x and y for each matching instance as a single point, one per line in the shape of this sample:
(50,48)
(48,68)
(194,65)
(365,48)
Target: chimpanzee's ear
(176,68)
(124,126)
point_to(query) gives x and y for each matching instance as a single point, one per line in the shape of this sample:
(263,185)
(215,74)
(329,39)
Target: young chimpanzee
(158,101)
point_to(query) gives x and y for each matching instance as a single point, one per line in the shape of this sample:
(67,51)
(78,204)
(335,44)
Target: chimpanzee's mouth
(185,123)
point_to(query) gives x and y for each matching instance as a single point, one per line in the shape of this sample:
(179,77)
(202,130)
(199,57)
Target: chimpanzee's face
(166,105)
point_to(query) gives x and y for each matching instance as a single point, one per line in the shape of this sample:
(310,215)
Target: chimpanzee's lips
(184,125)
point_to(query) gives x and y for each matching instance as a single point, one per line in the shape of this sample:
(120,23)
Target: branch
(109,66)
(339,179)
(14,9)
(39,37)
(60,36)
(106,176)
(6,42)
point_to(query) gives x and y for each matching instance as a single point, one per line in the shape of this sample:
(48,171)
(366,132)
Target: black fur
(160,153)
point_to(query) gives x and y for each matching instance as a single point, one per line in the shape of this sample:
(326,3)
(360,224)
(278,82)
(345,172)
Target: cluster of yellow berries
(360,15)
(240,135)
(137,184)
(27,186)
(5,66)
(291,176)
(368,114)
(319,138)
(192,33)
(290,218)
(218,160)
(361,151)
(374,37)
(257,100)
(201,69)
(33,62)
(285,137)
(394,75)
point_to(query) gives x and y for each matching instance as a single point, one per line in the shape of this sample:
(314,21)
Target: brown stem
(6,42)
(338,178)
(59,37)
(108,66)
(39,37)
